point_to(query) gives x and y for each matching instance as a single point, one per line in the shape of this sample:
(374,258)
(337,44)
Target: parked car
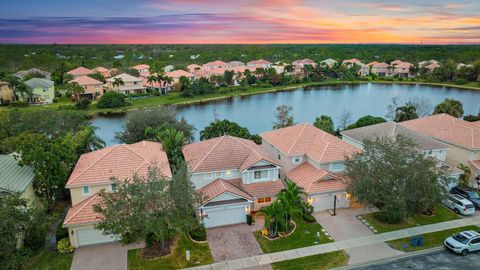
(459,204)
(464,242)
(467,193)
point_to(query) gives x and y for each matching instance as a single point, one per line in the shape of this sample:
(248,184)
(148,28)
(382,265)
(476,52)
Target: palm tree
(291,200)
(465,176)
(167,81)
(117,82)
(288,68)
(172,141)
(75,89)
(18,86)
(151,79)
(91,141)
(273,217)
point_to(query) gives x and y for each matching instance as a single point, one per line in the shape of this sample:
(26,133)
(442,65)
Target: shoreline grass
(174,98)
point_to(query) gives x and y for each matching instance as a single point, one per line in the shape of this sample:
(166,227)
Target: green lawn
(441,214)
(199,254)
(431,239)
(317,262)
(49,260)
(304,235)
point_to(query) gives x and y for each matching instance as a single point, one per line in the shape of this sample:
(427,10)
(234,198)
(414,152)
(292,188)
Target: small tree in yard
(397,178)
(449,106)
(153,209)
(283,117)
(112,100)
(325,123)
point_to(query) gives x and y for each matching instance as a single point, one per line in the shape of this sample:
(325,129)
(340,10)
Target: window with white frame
(114,187)
(218,175)
(257,175)
(86,190)
(208,176)
(337,167)
(228,173)
(297,159)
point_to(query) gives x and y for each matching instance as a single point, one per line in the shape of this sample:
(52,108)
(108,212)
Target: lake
(256,111)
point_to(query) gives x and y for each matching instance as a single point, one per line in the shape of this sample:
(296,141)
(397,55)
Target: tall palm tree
(117,82)
(17,86)
(91,141)
(75,89)
(291,199)
(152,79)
(167,82)
(288,68)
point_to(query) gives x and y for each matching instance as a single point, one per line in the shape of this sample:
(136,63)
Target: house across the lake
(43,91)
(93,89)
(131,84)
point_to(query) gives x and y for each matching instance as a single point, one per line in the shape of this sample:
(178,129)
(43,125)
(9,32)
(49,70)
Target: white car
(464,242)
(459,204)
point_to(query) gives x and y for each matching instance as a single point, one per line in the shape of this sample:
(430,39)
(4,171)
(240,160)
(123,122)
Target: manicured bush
(112,100)
(63,246)
(309,218)
(83,103)
(249,219)
(199,234)
(18,104)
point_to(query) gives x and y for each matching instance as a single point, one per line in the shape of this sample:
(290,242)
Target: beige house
(462,137)
(364,69)
(131,84)
(93,89)
(94,172)
(6,93)
(16,179)
(80,71)
(314,160)
(235,175)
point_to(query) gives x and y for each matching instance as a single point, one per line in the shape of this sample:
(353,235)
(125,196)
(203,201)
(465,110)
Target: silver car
(464,242)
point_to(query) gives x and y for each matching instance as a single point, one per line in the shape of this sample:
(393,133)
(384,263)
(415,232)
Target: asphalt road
(438,260)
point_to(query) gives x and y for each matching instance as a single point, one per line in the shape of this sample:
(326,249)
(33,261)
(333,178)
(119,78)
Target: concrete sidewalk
(269,258)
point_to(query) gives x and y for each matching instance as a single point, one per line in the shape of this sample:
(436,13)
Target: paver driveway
(106,256)
(233,242)
(345,225)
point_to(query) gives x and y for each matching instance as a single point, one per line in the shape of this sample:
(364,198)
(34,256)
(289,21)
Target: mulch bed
(157,251)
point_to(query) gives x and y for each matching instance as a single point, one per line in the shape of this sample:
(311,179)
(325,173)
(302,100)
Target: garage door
(325,201)
(221,216)
(87,237)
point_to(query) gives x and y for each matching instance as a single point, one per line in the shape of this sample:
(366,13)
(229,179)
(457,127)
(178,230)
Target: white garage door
(92,236)
(226,215)
(325,201)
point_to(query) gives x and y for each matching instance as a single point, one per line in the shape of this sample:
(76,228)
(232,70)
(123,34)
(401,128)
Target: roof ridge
(298,137)
(107,152)
(326,146)
(208,153)
(86,202)
(239,141)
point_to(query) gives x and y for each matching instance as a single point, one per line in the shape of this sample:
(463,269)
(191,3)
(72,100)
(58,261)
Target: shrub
(83,103)
(55,100)
(249,219)
(199,234)
(63,246)
(309,218)
(460,81)
(61,232)
(112,100)
(19,104)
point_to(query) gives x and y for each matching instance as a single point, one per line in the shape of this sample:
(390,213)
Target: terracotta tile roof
(141,66)
(80,71)
(121,161)
(392,130)
(396,62)
(82,213)
(448,129)
(259,62)
(260,189)
(314,180)
(476,123)
(373,63)
(101,69)
(154,84)
(305,139)
(379,65)
(219,186)
(223,153)
(85,80)
(125,78)
(305,61)
(236,64)
(179,73)
(353,60)
(475,164)
(215,63)
(193,67)
(432,66)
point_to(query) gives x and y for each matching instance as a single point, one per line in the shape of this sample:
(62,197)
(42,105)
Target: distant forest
(49,57)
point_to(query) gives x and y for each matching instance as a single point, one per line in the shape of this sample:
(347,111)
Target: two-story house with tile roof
(96,171)
(236,177)
(314,160)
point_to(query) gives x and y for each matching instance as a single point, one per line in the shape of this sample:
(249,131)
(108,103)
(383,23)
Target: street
(435,260)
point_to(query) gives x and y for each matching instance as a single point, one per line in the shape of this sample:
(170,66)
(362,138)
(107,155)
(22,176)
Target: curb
(402,257)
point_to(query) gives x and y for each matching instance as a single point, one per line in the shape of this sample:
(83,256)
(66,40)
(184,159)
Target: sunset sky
(240,21)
